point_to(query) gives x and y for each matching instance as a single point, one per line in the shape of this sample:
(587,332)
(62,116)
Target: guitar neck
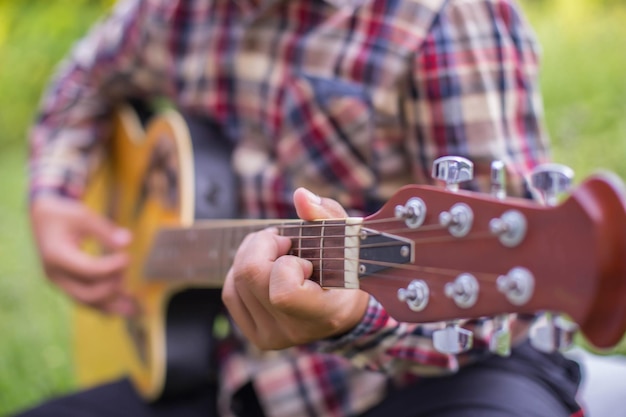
(203,253)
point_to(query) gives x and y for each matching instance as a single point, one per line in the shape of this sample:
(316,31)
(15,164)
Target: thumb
(310,206)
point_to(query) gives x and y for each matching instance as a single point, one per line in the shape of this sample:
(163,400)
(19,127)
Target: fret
(310,247)
(331,271)
(325,244)
(293,231)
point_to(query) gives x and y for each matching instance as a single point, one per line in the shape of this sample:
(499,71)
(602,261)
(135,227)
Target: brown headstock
(519,256)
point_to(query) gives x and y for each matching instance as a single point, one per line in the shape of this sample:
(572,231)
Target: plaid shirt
(350,98)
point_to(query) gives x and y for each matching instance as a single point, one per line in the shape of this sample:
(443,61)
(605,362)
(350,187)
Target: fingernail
(313,198)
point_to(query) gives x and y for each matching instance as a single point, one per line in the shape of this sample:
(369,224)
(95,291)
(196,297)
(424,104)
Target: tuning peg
(552,332)
(413,212)
(452,339)
(463,290)
(500,342)
(498,180)
(453,170)
(551,180)
(415,295)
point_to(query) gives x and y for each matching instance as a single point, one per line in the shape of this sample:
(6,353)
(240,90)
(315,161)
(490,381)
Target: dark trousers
(528,384)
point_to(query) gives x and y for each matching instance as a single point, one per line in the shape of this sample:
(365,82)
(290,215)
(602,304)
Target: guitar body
(148,182)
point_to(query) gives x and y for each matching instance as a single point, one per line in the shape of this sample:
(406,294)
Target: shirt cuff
(374,320)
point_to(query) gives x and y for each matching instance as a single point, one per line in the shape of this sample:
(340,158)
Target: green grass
(34,351)
(584,84)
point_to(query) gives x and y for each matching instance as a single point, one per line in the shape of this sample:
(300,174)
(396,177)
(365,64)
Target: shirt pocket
(327,136)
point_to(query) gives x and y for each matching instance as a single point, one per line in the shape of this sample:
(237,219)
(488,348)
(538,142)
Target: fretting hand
(270,297)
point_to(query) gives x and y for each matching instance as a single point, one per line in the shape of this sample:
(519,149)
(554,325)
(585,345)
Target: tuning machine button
(458,220)
(518,285)
(510,228)
(415,295)
(452,339)
(551,180)
(413,212)
(453,170)
(463,290)
(552,332)
(500,342)
(498,180)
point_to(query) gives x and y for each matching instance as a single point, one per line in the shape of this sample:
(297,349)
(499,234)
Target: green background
(584,86)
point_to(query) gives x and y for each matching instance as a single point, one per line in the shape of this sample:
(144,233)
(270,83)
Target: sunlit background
(584,85)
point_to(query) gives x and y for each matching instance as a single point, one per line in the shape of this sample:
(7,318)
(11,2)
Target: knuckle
(281,299)
(246,272)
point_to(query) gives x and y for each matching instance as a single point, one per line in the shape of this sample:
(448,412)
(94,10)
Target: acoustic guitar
(429,254)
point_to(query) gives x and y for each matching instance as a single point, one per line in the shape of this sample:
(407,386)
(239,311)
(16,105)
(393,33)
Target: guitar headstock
(472,255)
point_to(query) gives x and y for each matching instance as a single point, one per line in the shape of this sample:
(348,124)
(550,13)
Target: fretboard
(203,253)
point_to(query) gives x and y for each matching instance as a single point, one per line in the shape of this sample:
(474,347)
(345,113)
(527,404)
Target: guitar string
(329,224)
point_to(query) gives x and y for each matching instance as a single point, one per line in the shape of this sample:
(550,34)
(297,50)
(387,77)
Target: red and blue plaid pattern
(350,98)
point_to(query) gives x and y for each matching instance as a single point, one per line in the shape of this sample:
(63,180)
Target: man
(344,99)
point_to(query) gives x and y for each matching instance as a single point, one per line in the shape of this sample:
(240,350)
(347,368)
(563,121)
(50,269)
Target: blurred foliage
(35,354)
(584,90)
(34,34)
(584,80)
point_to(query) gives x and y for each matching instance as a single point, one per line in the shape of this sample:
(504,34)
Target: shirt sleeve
(474,92)
(74,112)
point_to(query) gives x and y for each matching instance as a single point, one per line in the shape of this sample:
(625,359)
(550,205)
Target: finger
(94,294)
(237,308)
(252,274)
(301,301)
(291,291)
(85,267)
(106,295)
(246,291)
(72,219)
(310,206)
(104,231)
(257,253)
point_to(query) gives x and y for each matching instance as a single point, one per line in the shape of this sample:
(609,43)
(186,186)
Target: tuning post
(510,228)
(518,285)
(551,180)
(500,342)
(413,212)
(552,332)
(453,170)
(463,290)
(458,220)
(498,180)
(415,295)
(452,339)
